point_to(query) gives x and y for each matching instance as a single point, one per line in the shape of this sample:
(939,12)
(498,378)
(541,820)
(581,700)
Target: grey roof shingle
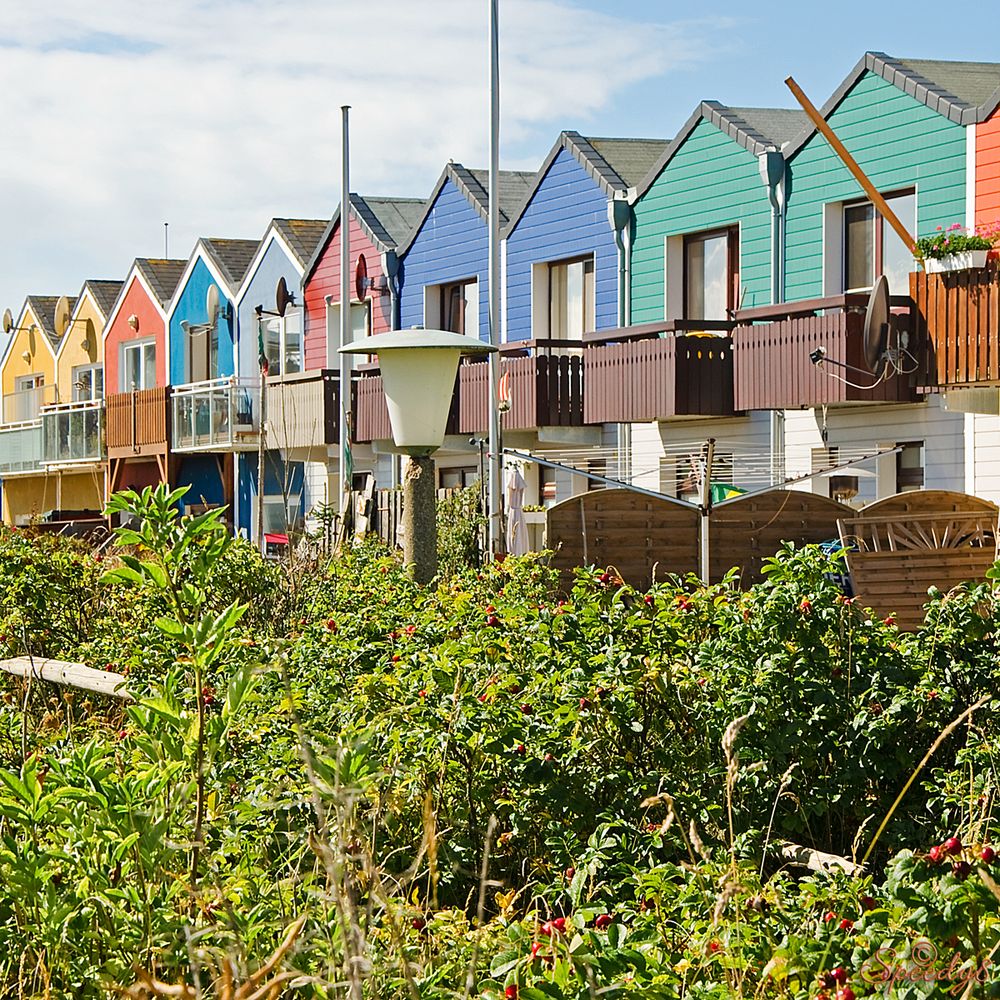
(514,186)
(630,159)
(161,275)
(233,257)
(301,235)
(777,125)
(973,83)
(391,219)
(105,294)
(44,308)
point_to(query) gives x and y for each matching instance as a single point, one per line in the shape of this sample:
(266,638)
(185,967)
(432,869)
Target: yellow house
(52,373)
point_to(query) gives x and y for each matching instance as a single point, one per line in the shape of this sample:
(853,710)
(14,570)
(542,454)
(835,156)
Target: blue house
(212,413)
(567,246)
(444,262)
(270,314)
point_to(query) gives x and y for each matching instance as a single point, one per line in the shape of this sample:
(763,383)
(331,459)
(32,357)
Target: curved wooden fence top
(925,502)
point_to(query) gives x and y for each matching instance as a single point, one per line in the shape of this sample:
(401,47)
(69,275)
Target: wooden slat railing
(371,415)
(138,423)
(958,326)
(303,409)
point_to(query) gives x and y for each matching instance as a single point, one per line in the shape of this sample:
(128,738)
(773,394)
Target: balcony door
(203,346)
(88,383)
(138,366)
(282,336)
(26,400)
(711,274)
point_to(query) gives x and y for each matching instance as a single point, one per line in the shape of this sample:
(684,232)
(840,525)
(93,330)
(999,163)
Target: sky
(216,115)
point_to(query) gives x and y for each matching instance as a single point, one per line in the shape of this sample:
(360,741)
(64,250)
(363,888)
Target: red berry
(569,873)
(546,928)
(805,606)
(418,923)
(828,916)
(526,709)
(536,947)
(511,992)
(520,749)
(549,758)
(482,697)
(123,734)
(584,704)
(846,924)
(649,600)
(952,846)
(839,975)
(422,693)
(845,994)
(987,855)
(559,924)
(603,921)
(714,946)
(935,854)
(331,625)
(514,689)
(961,870)
(605,578)
(868,903)
(492,621)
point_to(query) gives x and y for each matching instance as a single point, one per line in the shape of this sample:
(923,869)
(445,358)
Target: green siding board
(899,143)
(711,182)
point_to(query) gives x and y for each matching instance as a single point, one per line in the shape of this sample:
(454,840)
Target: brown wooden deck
(371,415)
(303,409)
(138,423)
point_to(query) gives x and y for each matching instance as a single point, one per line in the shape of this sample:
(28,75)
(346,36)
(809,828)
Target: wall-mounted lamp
(133,322)
(26,357)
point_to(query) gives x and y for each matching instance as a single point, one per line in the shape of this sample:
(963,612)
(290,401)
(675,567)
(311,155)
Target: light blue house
(567,246)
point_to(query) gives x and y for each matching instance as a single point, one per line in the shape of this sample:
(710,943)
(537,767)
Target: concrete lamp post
(418,377)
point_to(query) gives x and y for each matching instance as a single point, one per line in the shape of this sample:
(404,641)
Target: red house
(378,226)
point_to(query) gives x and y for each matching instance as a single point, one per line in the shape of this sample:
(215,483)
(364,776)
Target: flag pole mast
(495,457)
(344,451)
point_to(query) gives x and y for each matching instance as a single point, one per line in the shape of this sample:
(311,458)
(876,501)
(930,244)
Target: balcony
(138,423)
(73,433)
(303,410)
(656,371)
(958,326)
(20,448)
(216,415)
(546,388)
(772,345)
(25,405)
(371,415)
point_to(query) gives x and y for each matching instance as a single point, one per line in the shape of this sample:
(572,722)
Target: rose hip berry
(418,923)
(511,992)
(584,704)
(961,870)
(936,854)
(952,846)
(526,709)
(987,855)
(603,921)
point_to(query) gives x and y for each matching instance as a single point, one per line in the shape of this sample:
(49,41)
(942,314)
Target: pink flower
(955,225)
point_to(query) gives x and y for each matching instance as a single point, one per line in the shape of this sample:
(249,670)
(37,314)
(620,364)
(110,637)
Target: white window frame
(541,298)
(358,308)
(433,306)
(141,346)
(279,365)
(95,369)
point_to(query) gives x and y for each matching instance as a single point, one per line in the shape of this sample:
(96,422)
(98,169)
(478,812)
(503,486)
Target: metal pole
(706,510)
(496,457)
(344,451)
(262,440)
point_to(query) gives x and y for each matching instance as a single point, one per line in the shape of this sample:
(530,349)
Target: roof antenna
(166,241)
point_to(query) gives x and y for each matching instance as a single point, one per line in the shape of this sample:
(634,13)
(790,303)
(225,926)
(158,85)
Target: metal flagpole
(495,456)
(344,454)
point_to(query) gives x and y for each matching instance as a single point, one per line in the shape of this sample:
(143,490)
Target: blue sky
(216,115)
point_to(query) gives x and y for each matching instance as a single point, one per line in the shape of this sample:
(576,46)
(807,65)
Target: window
(547,487)
(138,367)
(361,327)
(283,342)
(910,466)
(88,383)
(871,246)
(459,307)
(203,346)
(571,298)
(457,478)
(711,274)
(27,399)
(280,515)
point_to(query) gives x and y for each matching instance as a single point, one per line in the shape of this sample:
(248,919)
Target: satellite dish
(876,332)
(8,321)
(361,277)
(212,304)
(282,297)
(62,314)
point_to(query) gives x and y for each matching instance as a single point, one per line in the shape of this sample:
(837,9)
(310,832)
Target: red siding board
(137,302)
(988,170)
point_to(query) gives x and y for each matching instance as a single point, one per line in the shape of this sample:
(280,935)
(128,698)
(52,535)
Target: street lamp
(418,377)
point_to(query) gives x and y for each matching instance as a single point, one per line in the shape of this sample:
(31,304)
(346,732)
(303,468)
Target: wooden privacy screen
(910,542)
(637,534)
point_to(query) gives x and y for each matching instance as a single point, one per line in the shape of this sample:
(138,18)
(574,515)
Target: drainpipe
(620,220)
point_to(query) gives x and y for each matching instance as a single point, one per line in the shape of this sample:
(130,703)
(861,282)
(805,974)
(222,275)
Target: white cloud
(218,115)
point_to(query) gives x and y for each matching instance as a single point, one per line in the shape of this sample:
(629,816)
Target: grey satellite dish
(876,332)
(212,305)
(62,314)
(8,321)
(283,298)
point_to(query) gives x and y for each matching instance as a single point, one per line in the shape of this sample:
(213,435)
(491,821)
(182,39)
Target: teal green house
(707,216)
(905,122)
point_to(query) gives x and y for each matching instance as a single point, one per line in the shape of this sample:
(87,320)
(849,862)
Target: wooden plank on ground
(69,674)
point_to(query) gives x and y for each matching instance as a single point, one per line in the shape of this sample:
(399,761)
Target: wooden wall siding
(958,326)
(547,391)
(191,307)
(303,411)
(894,558)
(138,423)
(773,370)
(567,217)
(711,182)
(988,170)
(136,302)
(899,143)
(636,534)
(452,244)
(325,280)
(747,531)
(655,379)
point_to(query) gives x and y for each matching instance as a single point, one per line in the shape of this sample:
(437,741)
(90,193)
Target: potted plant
(956,248)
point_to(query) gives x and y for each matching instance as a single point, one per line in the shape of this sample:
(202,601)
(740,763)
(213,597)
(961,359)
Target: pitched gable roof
(104,293)
(613,164)
(474,186)
(757,130)
(231,257)
(301,235)
(385,221)
(161,275)
(44,308)
(962,92)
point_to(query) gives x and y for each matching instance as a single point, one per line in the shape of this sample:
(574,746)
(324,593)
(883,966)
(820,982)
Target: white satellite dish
(8,321)
(62,314)
(212,304)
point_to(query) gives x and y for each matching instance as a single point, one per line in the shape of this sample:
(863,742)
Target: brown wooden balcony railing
(958,326)
(138,423)
(303,409)
(772,347)
(546,387)
(371,415)
(655,371)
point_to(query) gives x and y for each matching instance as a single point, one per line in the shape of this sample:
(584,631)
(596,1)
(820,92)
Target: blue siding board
(567,217)
(191,307)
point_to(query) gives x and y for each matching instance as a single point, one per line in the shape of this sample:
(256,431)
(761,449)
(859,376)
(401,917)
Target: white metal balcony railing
(25,405)
(20,448)
(73,433)
(215,415)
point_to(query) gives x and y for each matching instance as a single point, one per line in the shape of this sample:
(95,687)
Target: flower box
(956,261)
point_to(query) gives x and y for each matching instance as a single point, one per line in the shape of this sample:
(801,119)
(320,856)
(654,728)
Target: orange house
(988,163)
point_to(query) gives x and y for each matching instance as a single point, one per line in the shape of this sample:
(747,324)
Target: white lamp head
(418,375)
